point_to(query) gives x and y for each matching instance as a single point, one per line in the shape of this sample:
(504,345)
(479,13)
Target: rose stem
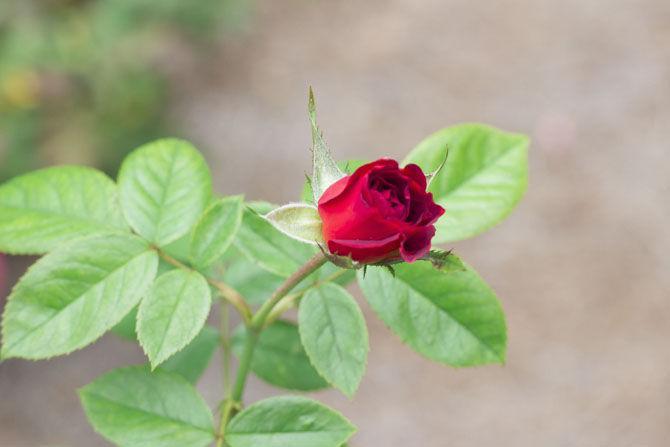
(254,329)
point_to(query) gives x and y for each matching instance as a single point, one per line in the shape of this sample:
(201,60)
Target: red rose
(379,213)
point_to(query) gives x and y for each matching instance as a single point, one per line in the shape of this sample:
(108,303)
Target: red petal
(366,251)
(417,244)
(415,173)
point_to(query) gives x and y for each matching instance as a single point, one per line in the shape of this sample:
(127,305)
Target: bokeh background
(581,266)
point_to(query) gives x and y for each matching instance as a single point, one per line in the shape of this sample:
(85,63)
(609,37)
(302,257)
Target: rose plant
(147,257)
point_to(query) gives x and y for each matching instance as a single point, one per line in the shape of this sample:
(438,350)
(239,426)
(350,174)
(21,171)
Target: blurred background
(581,267)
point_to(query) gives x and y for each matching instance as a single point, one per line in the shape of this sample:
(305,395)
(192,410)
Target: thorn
(365,270)
(323,250)
(430,177)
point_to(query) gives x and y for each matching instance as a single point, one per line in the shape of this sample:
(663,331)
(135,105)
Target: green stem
(290,301)
(258,320)
(245,365)
(227,292)
(234,402)
(233,297)
(225,347)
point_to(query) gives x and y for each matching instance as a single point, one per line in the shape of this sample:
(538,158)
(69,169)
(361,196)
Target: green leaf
(484,177)
(450,316)
(136,408)
(164,188)
(262,243)
(72,296)
(172,314)
(262,257)
(192,361)
(257,284)
(299,221)
(333,331)
(216,230)
(325,170)
(179,249)
(253,282)
(126,327)
(347,166)
(45,208)
(288,421)
(280,359)
(261,207)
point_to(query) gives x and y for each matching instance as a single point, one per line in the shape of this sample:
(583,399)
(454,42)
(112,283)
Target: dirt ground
(581,267)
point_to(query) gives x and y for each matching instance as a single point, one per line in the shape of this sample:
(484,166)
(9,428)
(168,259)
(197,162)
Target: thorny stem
(234,401)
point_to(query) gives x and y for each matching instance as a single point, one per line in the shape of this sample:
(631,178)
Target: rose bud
(379,213)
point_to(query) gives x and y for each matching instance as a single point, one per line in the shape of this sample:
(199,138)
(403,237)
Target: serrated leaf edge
(107,230)
(327,384)
(3,349)
(500,356)
(320,154)
(350,394)
(219,200)
(154,365)
(352,429)
(83,390)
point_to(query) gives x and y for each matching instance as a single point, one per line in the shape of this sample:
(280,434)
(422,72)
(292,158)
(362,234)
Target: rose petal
(334,190)
(366,251)
(380,212)
(345,184)
(415,173)
(417,245)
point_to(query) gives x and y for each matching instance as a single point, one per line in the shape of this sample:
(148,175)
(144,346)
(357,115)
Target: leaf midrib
(172,314)
(142,410)
(275,247)
(163,199)
(485,167)
(454,319)
(283,352)
(331,327)
(88,221)
(76,300)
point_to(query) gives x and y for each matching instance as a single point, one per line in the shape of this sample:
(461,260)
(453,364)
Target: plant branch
(290,300)
(234,402)
(258,321)
(226,354)
(233,297)
(227,292)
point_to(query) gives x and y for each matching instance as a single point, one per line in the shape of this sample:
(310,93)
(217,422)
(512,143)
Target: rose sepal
(344,262)
(299,221)
(325,171)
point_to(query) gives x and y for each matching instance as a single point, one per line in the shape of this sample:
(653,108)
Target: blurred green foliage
(84,80)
